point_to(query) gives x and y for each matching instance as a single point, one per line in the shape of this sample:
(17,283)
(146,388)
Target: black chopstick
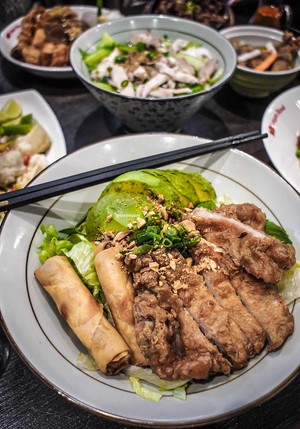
(32,194)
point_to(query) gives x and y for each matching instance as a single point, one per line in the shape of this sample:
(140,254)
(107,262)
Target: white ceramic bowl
(257,84)
(281,121)
(149,114)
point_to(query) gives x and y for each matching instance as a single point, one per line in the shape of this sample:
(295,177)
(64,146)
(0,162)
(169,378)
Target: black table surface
(25,401)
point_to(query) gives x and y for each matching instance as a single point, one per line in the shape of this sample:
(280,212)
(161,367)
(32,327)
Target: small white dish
(32,102)
(281,121)
(48,346)
(9,39)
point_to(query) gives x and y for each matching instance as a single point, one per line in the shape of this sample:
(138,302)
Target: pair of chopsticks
(32,194)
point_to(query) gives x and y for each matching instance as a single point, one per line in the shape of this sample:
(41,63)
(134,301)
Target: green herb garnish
(157,233)
(277,231)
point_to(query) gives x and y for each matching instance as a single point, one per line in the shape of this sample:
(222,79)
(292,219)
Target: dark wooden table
(25,402)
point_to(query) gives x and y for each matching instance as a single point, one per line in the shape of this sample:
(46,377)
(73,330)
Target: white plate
(281,121)
(9,39)
(32,101)
(49,348)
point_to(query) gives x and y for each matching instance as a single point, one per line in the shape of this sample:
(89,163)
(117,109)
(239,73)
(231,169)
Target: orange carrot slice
(267,62)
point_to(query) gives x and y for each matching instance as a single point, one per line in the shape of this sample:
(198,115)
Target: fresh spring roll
(83,314)
(118,290)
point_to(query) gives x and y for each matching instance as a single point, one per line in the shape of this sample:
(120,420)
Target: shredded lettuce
(86,361)
(147,375)
(137,375)
(176,387)
(82,256)
(143,392)
(180,393)
(52,244)
(289,285)
(80,252)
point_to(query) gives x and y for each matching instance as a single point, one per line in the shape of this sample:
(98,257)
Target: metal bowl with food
(153,72)
(268,59)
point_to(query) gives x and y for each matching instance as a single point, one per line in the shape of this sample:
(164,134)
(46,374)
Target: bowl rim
(224,79)
(251,30)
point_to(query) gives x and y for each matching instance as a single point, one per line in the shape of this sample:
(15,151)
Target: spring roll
(118,290)
(83,314)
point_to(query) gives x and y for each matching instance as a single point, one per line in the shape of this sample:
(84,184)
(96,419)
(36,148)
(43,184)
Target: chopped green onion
(140,47)
(151,55)
(151,237)
(125,83)
(120,58)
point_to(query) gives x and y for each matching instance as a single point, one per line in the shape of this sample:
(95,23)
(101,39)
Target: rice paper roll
(117,287)
(83,314)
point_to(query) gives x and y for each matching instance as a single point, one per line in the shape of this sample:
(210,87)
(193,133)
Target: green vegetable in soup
(93,59)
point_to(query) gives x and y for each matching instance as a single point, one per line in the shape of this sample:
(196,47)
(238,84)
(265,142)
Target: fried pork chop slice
(168,336)
(261,255)
(214,268)
(214,320)
(247,213)
(265,303)
(170,339)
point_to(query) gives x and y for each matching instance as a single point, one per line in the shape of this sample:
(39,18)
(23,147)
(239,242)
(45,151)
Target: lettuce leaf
(80,252)
(52,244)
(277,231)
(289,285)
(147,375)
(143,392)
(86,361)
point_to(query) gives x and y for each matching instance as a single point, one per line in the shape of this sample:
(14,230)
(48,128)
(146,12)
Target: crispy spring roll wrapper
(83,314)
(118,290)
